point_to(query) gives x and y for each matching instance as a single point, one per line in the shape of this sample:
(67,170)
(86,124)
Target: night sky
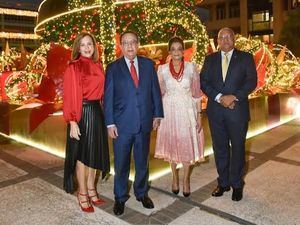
(23,4)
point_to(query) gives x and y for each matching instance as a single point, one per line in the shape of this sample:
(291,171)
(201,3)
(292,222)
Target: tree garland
(149,22)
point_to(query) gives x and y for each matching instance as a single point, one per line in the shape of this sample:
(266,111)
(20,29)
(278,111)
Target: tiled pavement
(31,189)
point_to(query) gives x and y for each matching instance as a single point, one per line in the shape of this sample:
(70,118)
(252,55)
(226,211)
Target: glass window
(261,21)
(261,16)
(221,11)
(234,9)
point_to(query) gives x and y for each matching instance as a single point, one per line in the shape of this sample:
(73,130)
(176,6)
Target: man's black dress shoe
(147,202)
(237,194)
(219,191)
(119,208)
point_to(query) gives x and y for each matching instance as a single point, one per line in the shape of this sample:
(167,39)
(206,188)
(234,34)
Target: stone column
(244,17)
(278,18)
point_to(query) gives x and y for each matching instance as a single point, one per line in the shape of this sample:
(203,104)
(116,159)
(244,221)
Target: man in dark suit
(132,107)
(227,78)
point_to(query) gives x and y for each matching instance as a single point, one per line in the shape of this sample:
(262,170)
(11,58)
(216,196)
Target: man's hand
(228,101)
(156,123)
(112,131)
(74,130)
(231,106)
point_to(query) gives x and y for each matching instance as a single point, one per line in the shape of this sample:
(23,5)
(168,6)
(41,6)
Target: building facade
(17,22)
(263,18)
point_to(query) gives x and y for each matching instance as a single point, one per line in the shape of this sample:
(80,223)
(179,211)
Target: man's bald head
(226,39)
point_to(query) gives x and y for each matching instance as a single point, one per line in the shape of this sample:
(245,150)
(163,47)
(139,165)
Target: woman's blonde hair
(76,46)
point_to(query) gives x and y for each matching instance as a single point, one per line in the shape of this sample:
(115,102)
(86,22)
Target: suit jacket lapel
(232,63)
(219,66)
(141,70)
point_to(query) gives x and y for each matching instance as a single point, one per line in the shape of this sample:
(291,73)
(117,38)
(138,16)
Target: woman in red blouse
(87,145)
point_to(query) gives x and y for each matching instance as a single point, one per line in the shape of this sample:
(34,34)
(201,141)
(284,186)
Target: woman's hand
(199,123)
(156,123)
(74,130)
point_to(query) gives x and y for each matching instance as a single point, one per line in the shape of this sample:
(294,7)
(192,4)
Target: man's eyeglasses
(129,43)
(225,37)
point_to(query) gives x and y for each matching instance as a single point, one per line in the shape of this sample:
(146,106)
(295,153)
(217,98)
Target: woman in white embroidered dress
(180,136)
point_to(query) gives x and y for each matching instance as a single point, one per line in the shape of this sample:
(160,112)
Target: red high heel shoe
(97,202)
(88,209)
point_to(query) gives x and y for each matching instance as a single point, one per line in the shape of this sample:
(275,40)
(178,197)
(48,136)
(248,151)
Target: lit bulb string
(107,36)
(37,55)
(18,12)
(265,51)
(157,15)
(37,29)
(126,2)
(84,8)
(262,57)
(184,18)
(163,44)
(10,35)
(40,6)
(291,73)
(279,47)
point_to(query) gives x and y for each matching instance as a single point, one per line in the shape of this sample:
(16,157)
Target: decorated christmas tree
(155,22)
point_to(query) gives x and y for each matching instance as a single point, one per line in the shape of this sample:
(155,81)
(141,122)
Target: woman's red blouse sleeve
(72,95)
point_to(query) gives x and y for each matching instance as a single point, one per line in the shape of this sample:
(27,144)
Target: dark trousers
(230,162)
(122,157)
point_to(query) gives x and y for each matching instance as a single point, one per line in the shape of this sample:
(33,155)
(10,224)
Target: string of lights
(9,35)
(157,16)
(107,30)
(155,22)
(18,12)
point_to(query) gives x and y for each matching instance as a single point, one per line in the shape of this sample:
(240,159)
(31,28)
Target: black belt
(91,102)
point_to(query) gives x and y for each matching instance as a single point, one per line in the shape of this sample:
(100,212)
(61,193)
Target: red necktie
(134,74)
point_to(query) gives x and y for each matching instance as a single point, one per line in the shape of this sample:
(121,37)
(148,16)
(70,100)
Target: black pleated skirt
(92,148)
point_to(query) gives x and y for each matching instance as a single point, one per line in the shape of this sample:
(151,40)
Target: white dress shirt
(135,62)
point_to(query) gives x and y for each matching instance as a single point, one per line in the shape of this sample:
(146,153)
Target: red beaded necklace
(175,75)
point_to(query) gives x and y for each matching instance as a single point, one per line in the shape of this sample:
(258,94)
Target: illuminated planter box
(50,135)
